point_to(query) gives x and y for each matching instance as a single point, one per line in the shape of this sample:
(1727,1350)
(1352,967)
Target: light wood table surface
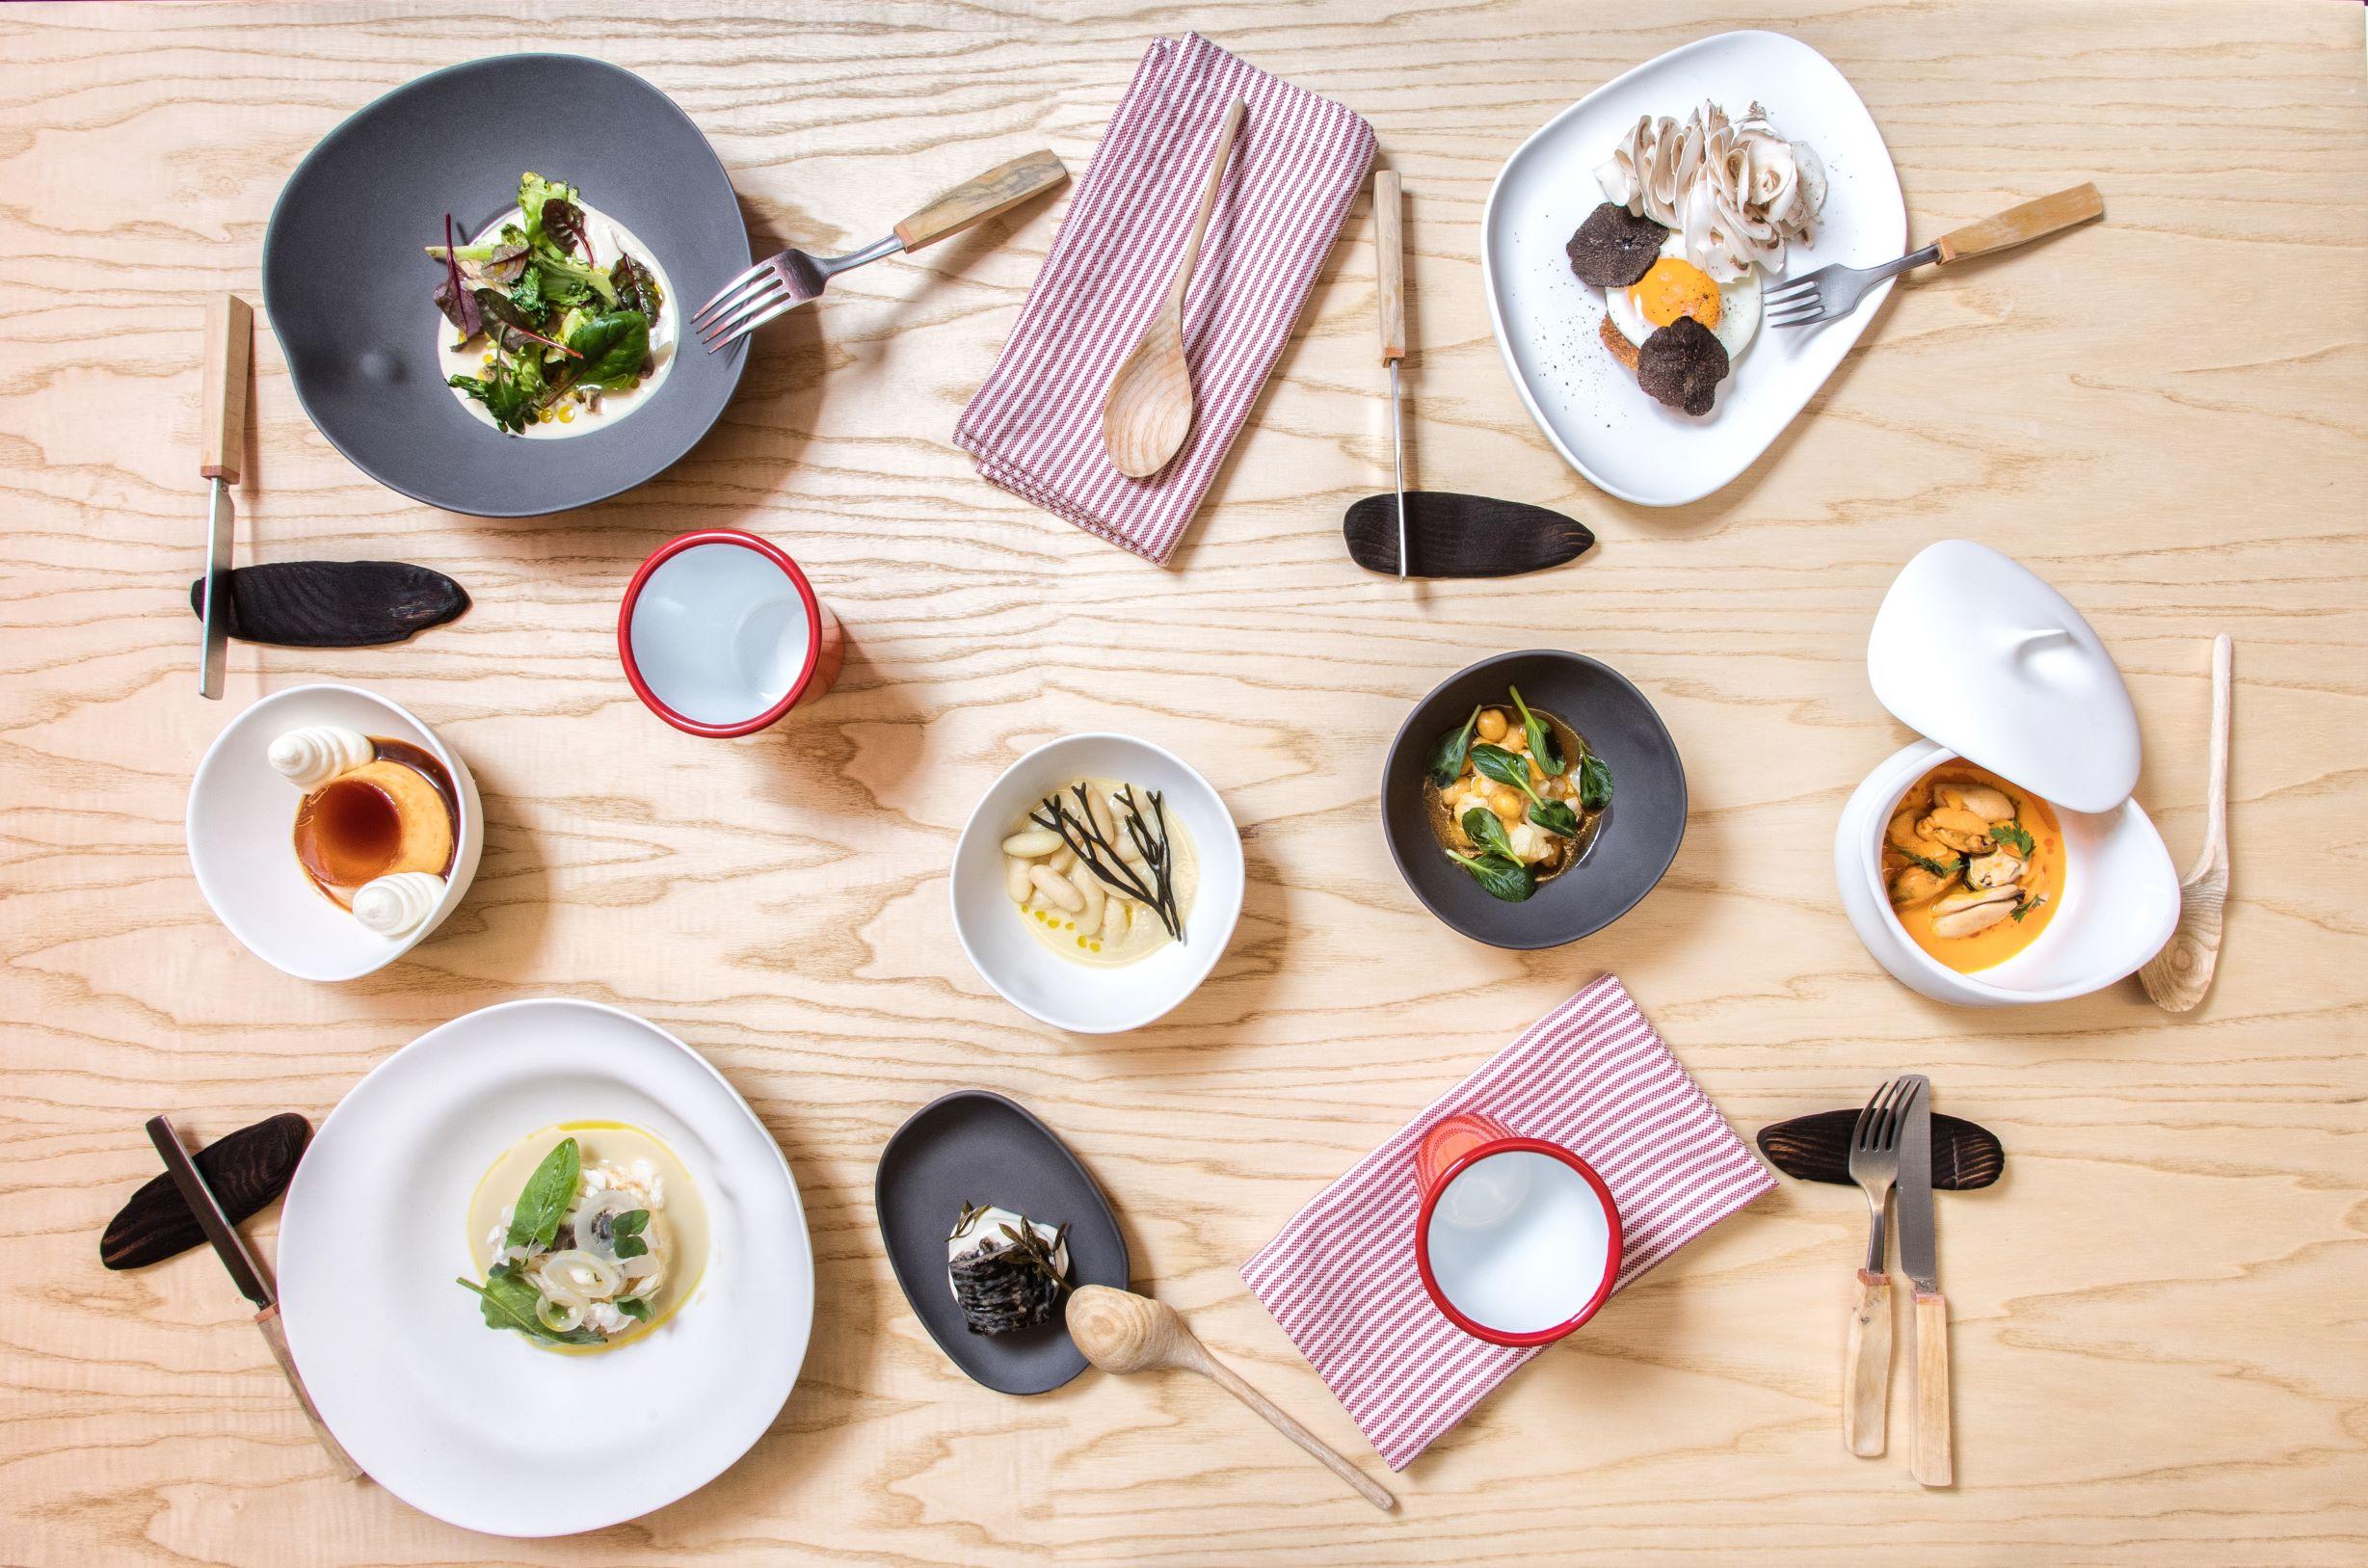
(2160,1356)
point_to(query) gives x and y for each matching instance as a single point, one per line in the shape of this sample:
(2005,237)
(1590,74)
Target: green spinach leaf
(1481,827)
(1503,766)
(614,345)
(507,1302)
(1542,742)
(1499,877)
(1594,781)
(543,1201)
(1555,816)
(1446,757)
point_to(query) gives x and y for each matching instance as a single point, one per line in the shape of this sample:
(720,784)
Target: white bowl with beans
(993,928)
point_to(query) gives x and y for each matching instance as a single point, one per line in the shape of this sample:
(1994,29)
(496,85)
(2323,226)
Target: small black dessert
(1008,1272)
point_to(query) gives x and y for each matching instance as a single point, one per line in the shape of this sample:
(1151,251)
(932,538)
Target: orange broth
(1989,948)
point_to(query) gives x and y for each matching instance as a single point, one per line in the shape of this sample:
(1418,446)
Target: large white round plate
(475,1426)
(1587,403)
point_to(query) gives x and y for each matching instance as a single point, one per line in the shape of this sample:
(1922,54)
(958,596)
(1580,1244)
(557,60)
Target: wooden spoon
(1121,1332)
(2178,976)
(1148,409)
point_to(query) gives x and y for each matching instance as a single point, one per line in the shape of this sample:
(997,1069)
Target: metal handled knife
(1390,282)
(1918,1260)
(244,1273)
(230,337)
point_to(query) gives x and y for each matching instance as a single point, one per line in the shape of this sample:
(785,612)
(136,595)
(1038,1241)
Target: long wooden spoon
(2178,976)
(1121,1332)
(1148,409)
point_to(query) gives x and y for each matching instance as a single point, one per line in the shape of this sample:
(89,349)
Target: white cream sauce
(609,240)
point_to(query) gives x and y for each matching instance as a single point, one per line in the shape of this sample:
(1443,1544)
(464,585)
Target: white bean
(1058,889)
(1089,888)
(1114,921)
(1062,860)
(1106,822)
(1014,879)
(1030,842)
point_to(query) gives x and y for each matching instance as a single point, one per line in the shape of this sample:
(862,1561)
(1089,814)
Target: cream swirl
(394,906)
(310,757)
(1737,190)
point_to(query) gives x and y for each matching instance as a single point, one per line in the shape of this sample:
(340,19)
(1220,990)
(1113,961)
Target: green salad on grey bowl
(553,320)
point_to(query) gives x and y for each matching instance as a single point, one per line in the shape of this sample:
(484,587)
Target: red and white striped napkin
(1591,1076)
(1035,427)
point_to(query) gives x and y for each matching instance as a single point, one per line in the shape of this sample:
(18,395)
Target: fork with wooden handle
(1866,1359)
(1835,291)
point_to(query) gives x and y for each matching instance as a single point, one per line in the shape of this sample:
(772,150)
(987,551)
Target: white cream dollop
(393,906)
(1735,190)
(310,757)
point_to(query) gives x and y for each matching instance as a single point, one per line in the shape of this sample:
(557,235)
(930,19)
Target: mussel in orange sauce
(1974,866)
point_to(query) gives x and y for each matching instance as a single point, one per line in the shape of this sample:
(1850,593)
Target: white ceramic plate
(475,1426)
(242,819)
(1587,403)
(1031,977)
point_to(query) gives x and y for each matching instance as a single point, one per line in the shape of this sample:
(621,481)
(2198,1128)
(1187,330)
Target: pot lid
(1974,650)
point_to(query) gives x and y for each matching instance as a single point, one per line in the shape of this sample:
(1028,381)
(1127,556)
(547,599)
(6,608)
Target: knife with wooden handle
(222,416)
(244,1273)
(1918,1259)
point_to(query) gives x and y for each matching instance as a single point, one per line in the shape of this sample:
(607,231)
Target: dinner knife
(1390,282)
(244,1273)
(230,337)
(1919,1262)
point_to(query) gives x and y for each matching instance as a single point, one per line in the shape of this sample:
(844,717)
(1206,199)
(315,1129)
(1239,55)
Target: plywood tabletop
(2158,1349)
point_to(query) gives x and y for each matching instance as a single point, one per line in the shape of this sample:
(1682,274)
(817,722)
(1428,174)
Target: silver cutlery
(781,283)
(229,337)
(1865,1363)
(1933,1465)
(1835,291)
(244,1273)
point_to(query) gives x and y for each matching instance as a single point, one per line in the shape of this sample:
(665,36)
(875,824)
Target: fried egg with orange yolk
(1675,287)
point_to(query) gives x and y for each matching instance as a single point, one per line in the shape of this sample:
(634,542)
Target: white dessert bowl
(1078,998)
(241,825)
(2120,898)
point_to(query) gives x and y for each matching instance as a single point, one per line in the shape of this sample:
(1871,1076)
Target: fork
(1835,291)
(1866,1364)
(781,283)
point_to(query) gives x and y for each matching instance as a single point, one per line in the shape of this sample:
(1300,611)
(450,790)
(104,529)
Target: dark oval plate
(1641,829)
(349,291)
(977,1147)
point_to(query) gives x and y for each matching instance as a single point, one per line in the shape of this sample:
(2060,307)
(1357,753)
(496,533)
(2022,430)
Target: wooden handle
(2016,225)
(1389,264)
(1225,1378)
(1933,1465)
(230,337)
(2216,803)
(996,190)
(1208,201)
(277,1337)
(1866,1366)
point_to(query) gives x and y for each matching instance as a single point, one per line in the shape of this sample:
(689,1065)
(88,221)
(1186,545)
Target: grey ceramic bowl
(349,289)
(1641,833)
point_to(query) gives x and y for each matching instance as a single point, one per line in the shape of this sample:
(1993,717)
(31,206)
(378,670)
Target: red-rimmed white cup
(1518,1238)
(721,634)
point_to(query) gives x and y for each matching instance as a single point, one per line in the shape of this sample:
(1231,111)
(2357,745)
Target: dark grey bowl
(974,1146)
(349,292)
(1634,847)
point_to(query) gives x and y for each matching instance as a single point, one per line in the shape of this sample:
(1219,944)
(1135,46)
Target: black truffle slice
(1682,364)
(1614,247)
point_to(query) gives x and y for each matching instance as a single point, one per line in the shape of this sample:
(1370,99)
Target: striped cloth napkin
(1591,1076)
(1035,427)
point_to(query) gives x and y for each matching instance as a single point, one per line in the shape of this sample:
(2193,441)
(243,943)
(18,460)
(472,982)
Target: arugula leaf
(1506,879)
(1446,757)
(615,346)
(543,1201)
(508,1301)
(1481,827)
(626,1228)
(2012,835)
(635,1308)
(1542,742)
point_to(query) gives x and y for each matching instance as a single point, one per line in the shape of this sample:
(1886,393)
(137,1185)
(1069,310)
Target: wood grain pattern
(1866,1365)
(974,201)
(2157,1335)
(1933,1463)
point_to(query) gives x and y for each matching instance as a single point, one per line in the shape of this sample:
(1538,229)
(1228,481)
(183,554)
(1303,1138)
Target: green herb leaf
(1556,817)
(2024,906)
(2012,836)
(1446,757)
(508,1301)
(509,394)
(614,345)
(543,1201)
(1503,766)
(635,1308)
(626,1228)
(528,296)
(1501,877)
(1542,742)
(1940,869)
(1481,827)
(1594,782)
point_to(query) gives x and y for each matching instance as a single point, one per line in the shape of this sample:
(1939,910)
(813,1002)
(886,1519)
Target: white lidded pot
(1974,652)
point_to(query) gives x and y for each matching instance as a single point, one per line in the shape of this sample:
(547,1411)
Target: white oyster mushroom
(394,906)
(1737,190)
(310,757)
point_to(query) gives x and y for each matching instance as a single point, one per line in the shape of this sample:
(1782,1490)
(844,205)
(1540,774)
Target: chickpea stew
(1515,797)
(1974,866)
